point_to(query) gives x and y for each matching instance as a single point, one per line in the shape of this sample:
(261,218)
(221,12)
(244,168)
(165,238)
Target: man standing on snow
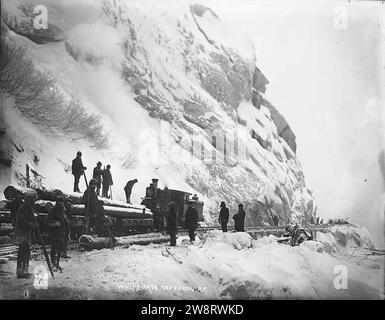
(191,220)
(68,207)
(107,181)
(77,170)
(93,208)
(224,216)
(172,223)
(58,231)
(24,226)
(128,189)
(97,175)
(239,219)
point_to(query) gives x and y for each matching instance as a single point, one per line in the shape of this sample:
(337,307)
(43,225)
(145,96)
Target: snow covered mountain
(156,89)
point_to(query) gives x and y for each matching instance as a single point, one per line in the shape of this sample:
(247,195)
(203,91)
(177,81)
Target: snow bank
(239,240)
(216,266)
(345,238)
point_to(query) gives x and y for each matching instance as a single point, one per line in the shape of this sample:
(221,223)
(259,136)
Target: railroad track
(9,250)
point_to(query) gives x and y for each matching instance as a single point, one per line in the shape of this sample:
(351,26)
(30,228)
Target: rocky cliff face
(181,97)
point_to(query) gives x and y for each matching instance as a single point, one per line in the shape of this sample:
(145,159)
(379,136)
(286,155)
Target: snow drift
(217,266)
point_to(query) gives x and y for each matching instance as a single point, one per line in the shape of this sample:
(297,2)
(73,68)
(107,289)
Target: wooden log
(116,212)
(121,204)
(11,192)
(90,242)
(77,198)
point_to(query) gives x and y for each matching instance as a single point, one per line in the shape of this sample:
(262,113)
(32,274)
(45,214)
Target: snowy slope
(164,78)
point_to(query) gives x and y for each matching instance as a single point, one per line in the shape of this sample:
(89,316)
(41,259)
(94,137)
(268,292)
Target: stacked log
(11,192)
(43,206)
(77,198)
(117,209)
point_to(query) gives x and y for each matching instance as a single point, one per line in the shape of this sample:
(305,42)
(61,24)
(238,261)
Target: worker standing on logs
(24,226)
(77,170)
(239,219)
(93,208)
(128,189)
(107,181)
(58,231)
(172,223)
(191,220)
(223,216)
(97,175)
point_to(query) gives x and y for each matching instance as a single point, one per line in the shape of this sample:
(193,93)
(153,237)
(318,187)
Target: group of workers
(103,176)
(58,227)
(191,220)
(59,217)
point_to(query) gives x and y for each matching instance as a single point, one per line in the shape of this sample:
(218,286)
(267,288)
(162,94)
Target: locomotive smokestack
(155,187)
(155,183)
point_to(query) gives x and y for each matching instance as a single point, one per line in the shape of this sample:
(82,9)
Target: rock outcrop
(284,130)
(197,80)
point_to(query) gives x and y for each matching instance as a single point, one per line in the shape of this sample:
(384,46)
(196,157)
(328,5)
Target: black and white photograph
(198,151)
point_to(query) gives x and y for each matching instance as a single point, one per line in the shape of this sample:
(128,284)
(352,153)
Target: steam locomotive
(157,201)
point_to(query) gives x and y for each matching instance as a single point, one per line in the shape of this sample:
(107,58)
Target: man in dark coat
(191,220)
(58,231)
(14,206)
(224,216)
(239,219)
(93,208)
(97,175)
(68,213)
(107,181)
(172,223)
(128,189)
(77,170)
(24,226)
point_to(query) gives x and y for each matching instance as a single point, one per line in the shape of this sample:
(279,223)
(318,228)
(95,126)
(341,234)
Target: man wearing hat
(93,207)
(128,189)
(68,206)
(191,219)
(97,175)
(107,181)
(24,226)
(172,223)
(77,170)
(224,216)
(239,219)
(58,230)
